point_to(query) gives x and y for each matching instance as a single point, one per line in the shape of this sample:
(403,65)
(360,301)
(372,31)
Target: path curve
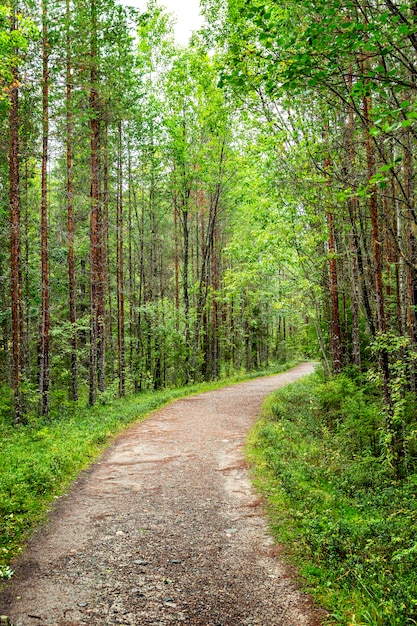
(165,529)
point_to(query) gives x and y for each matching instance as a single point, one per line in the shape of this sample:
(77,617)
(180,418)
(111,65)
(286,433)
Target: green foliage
(399,435)
(13,42)
(352,409)
(348,525)
(211,283)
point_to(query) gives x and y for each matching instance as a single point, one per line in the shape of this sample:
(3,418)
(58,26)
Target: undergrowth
(349,525)
(40,460)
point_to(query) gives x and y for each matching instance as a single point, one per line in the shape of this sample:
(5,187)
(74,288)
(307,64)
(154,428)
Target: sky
(187,13)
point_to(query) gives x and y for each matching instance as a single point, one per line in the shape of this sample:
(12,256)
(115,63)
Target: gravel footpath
(165,529)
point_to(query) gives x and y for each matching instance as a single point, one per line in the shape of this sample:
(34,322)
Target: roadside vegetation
(347,519)
(41,459)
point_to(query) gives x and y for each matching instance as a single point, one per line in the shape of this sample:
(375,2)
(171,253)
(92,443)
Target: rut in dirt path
(165,529)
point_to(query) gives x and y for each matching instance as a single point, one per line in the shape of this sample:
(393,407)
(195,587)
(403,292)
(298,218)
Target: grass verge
(347,525)
(40,460)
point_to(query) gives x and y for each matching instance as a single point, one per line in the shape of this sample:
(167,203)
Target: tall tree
(15,233)
(121,350)
(70,202)
(44,356)
(97,338)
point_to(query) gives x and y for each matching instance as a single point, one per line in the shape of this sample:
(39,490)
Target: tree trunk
(15,235)
(130,261)
(44,366)
(334,295)
(411,246)
(70,214)
(120,274)
(353,210)
(26,346)
(336,339)
(176,262)
(101,286)
(106,252)
(376,247)
(94,199)
(186,237)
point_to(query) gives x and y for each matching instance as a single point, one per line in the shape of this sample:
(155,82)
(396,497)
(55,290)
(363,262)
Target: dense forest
(176,214)
(138,240)
(335,85)
(172,213)
(131,253)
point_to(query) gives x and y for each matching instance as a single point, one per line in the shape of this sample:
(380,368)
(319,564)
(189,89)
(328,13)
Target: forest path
(165,529)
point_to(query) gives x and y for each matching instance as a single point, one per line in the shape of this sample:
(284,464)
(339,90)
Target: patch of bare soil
(164,530)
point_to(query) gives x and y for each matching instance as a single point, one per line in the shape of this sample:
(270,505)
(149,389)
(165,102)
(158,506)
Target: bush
(349,526)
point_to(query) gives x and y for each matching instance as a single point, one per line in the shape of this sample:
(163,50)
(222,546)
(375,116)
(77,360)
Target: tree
(44,367)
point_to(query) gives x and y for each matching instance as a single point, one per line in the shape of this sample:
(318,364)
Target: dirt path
(165,529)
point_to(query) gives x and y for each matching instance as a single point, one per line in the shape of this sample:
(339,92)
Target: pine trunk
(94,199)
(44,371)
(121,353)
(376,247)
(15,236)
(70,214)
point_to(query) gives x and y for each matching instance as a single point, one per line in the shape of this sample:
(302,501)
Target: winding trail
(165,529)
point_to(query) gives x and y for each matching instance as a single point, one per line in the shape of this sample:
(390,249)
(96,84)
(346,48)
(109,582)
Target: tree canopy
(142,236)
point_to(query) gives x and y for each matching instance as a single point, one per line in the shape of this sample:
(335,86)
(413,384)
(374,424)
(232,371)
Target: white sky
(187,13)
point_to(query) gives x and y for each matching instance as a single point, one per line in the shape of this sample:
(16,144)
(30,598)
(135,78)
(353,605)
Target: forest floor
(165,529)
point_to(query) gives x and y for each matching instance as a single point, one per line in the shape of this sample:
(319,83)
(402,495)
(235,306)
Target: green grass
(347,524)
(40,460)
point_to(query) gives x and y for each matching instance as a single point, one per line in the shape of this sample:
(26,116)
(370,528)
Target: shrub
(347,523)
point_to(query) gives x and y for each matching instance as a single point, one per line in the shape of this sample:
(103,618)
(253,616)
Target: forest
(177,214)
(134,253)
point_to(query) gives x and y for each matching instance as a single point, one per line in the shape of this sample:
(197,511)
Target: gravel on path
(165,530)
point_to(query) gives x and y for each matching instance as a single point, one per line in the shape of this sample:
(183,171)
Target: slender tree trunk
(141,287)
(22,337)
(15,235)
(353,210)
(6,368)
(94,198)
(106,251)
(411,246)
(376,247)
(334,295)
(336,338)
(101,286)
(176,262)
(130,261)
(185,279)
(44,369)
(70,213)
(401,269)
(214,309)
(27,365)
(355,281)
(137,294)
(120,274)
(15,217)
